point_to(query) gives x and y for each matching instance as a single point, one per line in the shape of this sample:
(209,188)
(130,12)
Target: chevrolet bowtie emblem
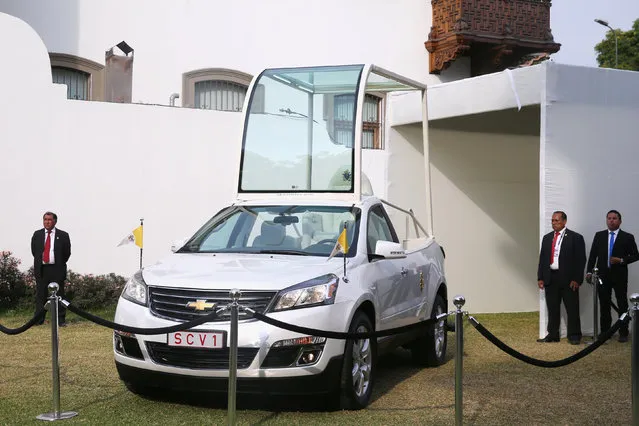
(200,305)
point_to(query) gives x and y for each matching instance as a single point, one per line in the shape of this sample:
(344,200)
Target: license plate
(199,339)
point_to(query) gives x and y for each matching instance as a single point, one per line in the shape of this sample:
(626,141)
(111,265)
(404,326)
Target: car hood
(242,271)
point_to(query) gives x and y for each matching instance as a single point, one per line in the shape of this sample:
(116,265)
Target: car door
(394,280)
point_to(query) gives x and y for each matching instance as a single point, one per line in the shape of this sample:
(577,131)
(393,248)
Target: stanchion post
(459,301)
(634,311)
(595,304)
(235,296)
(55,365)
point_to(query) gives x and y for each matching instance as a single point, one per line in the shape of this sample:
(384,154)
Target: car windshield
(283,229)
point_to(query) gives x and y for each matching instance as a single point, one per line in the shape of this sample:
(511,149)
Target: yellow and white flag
(341,245)
(136,236)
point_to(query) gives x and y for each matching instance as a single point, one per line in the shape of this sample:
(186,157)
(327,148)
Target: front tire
(430,349)
(358,372)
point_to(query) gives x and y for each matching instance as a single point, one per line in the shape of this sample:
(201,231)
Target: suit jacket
(572,258)
(625,247)
(61,251)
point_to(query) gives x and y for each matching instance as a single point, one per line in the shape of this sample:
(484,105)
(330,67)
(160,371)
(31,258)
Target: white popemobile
(300,186)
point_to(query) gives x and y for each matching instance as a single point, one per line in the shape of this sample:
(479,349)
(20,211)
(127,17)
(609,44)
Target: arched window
(215,88)
(77,82)
(84,78)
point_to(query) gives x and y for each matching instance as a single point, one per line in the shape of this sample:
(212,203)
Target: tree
(628,49)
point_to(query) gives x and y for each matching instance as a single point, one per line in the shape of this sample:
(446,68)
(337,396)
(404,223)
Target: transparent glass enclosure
(299,131)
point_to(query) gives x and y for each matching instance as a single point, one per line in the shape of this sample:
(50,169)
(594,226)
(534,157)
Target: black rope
(340,335)
(549,364)
(39,316)
(136,330)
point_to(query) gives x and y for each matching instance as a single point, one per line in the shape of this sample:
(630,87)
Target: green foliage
(17,289)
(628,49)
(12,282)
(93,291)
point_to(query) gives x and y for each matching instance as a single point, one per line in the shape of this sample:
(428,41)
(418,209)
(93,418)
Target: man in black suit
(612,250)
(51,249)
(560,273)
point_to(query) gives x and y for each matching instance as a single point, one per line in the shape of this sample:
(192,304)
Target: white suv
(276,255)
(301,167)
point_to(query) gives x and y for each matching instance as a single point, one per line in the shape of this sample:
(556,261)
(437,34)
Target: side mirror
(177,245)
(390,250)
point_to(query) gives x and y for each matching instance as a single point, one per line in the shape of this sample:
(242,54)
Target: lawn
(498,389)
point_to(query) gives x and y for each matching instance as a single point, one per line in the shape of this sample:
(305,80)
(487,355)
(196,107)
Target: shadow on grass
(392,369)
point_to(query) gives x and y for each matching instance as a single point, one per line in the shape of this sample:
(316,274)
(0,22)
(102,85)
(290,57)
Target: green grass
(498,389)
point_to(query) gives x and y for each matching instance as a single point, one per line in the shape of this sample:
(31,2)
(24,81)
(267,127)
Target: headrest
(272,234)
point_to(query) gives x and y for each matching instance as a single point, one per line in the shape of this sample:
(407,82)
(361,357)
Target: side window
(379,228)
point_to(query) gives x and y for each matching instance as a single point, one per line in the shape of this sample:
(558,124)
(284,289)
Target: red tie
(47,247)
(552,249)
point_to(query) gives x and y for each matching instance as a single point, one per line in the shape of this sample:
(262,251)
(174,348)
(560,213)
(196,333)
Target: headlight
(318,291)
(135,289)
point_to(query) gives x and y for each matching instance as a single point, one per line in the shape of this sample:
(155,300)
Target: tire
(430,350)
(360,361)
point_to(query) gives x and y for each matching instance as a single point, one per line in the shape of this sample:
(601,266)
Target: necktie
(47,247)
(552,249)
(610,246)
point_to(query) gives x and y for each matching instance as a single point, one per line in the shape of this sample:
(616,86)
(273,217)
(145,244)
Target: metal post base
(50,417)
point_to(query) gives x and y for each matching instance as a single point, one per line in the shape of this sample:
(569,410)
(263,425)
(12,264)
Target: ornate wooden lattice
(489,31)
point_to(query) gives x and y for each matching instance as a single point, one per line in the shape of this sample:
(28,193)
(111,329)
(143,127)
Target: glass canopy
(300,130)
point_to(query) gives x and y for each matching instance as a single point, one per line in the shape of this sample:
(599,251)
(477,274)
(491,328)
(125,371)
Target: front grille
(172,303)
(198,358)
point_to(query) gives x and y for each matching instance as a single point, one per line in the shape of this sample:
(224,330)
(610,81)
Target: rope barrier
(136,330)
(340,335)
(36,318)
(550,364)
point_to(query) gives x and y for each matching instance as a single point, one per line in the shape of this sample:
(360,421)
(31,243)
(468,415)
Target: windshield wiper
(295,252)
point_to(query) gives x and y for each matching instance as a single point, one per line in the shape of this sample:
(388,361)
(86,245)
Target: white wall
(171,37)
(102,166)
(589,155)
(485,209)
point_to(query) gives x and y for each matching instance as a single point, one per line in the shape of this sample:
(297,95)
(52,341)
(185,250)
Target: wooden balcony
(496,34)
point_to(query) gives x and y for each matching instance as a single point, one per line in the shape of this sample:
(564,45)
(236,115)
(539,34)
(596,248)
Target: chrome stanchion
(594,280)
(634,311)
(235,296)
(459,301)
(53,314)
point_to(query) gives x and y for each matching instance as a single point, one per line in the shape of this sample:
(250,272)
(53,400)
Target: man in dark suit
(612,251)
(51,249)
(560,273)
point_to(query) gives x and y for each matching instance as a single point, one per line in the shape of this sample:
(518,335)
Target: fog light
(309,356)
(117,344)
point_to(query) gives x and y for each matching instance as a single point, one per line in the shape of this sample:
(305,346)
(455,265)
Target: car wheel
(430,349)
(358,372)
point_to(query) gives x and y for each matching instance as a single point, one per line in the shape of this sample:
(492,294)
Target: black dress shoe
(622,339)
(548,339)
(574,341)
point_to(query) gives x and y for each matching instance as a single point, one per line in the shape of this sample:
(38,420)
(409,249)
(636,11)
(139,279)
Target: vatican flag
(341,245)
(136,236)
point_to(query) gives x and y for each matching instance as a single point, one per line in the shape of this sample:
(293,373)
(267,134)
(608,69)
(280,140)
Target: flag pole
(141,248)
(344,254)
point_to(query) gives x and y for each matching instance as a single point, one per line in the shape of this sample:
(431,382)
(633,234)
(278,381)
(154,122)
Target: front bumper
(324,382)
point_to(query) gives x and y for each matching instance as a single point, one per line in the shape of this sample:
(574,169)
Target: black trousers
(557,291)
(605,297)
(50,274)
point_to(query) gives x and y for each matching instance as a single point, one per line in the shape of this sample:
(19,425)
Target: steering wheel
(327,241)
